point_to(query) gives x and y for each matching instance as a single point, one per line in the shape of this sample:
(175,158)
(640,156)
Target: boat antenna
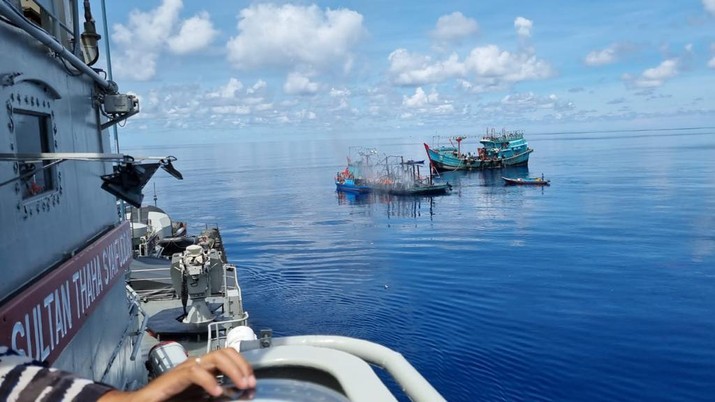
(154,194)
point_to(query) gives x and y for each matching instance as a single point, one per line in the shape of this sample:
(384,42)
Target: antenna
(154,194)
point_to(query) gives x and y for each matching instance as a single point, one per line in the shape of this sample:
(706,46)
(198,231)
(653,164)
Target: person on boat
(23,379)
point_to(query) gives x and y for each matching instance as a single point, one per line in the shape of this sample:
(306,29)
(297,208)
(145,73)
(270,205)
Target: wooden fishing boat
(527,181)
(400,177)
(498,150)
(351,185)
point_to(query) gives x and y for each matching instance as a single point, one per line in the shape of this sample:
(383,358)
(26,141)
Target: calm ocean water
(599,287)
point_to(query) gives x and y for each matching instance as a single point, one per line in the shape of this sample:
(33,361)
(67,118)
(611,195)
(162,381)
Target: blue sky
(374,68)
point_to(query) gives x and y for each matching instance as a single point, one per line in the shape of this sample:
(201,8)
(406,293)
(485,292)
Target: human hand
(199,371)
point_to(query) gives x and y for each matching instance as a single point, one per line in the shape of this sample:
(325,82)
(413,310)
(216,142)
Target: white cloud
(338,93)
(146,34)
(232,110)
(259,86)
(228,91)
(195,34)
(601,57)
(290,35)
(490,61)
(425,103)
(454,26)
(298,84)
(413,69)
(523,27)
(709,6)
(656,76)
(609,55)
(420,98)
(711,63)
(487,65)
(529,102)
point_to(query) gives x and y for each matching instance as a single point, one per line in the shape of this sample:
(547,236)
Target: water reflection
(395,205)
(482,178)
(346,198)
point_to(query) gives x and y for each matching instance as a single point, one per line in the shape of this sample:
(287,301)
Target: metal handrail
(133,299)
(411,381)
(213,328)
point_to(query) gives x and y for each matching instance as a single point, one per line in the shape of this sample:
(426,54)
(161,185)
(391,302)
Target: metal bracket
(118,119)
(265,337)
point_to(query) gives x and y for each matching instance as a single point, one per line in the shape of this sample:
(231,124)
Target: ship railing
(217,331)
(503,136)
(233,299)
(416,387)
(233,307)
(130,332)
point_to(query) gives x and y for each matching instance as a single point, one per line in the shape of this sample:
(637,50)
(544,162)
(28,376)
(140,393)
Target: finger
(234,366)
(202,377)
(178,379)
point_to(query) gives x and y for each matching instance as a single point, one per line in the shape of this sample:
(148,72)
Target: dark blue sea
(600,287)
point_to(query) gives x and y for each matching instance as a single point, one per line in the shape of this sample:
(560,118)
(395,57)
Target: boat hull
(352,188)
(440,189)
(529,181)
(446,160)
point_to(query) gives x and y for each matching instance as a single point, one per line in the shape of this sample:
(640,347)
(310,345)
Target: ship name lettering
(48,321)
(114,256)
(58,318)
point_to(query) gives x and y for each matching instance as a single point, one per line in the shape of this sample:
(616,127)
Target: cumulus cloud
(420,98)
(656,76)
(486,65)
(259,86)
(195,34)
(299,84)
(490,61)
(287,35)
(228,91)
(523,27)
(602,57)
(609,55)
(453,27)
(709,6)
(424,103)
(141,40)
(413,69)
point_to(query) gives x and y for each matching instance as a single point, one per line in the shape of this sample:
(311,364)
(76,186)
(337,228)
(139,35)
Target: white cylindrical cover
(238,334)
(165,356)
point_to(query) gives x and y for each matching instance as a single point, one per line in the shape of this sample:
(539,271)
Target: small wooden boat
(528,181)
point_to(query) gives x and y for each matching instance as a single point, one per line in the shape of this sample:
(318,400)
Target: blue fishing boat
(355,177)
(498,150)
(527,181)
(351,185)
